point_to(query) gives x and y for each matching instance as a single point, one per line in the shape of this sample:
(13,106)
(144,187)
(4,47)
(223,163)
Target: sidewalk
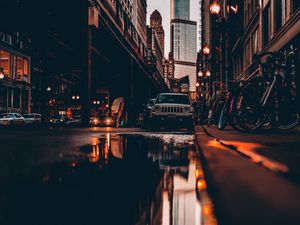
(253,179)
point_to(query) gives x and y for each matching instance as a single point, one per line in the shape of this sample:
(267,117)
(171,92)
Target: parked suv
(172,109)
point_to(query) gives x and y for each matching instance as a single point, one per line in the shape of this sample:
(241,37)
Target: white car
(11,119)
(33,119)
(172,109)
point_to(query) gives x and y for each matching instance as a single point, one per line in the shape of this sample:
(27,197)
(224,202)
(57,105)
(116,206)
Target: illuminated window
(20,67)
(5,62)
(26,67)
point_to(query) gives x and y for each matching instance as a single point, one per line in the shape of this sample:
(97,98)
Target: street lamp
(215,8)
(200,73)
(230,8)
(206,50)
(1,80)
(208,73)
(197,84)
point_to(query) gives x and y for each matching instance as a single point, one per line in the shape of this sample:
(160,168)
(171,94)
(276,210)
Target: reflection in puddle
(119,179)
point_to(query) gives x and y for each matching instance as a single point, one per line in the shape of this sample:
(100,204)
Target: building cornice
(184,21)
(185,63)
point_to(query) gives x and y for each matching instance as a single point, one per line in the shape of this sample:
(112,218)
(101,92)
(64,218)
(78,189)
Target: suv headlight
(156,108)
(186,109)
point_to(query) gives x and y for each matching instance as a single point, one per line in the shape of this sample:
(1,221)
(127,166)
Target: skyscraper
(180,9)
(156,24)
(184,41)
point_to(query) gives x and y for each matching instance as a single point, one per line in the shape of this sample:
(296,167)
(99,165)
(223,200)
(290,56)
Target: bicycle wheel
(223,120)
(250,115)
(289,123)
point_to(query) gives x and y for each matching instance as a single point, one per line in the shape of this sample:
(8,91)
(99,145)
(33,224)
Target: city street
(101,176)
(150,112)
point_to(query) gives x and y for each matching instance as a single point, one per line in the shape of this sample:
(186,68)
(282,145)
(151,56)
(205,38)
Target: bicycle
(229,111)
(267,99)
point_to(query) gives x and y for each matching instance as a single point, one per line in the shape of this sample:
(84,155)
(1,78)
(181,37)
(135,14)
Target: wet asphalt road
(101,176)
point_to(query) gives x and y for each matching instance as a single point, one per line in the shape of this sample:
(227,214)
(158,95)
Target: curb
(243,192)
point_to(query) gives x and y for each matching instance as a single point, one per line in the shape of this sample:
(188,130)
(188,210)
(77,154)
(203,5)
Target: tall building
(180,9)
(183,41)
(156,24)
(270,26)
(153,44)
(253,27)
(200,26)
(140,18)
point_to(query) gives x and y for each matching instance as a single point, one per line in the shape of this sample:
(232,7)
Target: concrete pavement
(253,179)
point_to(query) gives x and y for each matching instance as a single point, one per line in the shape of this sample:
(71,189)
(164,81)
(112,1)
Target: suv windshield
(177,99)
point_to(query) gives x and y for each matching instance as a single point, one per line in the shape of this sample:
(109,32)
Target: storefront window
(26,67)
(5,62)
(20,67)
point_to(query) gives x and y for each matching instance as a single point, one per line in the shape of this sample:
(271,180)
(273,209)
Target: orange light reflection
(201,184)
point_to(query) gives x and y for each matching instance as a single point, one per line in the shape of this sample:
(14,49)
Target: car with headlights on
(11,119)
(172,110)
(57,120)
(105,121)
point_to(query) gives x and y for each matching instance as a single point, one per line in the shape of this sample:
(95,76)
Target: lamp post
(2,76)
(222,11)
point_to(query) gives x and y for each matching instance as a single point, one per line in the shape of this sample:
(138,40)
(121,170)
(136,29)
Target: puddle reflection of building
(182,194)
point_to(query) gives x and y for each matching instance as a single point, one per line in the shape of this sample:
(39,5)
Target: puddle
(132,179)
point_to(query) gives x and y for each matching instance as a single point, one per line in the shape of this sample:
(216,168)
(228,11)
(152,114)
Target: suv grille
(172,109)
